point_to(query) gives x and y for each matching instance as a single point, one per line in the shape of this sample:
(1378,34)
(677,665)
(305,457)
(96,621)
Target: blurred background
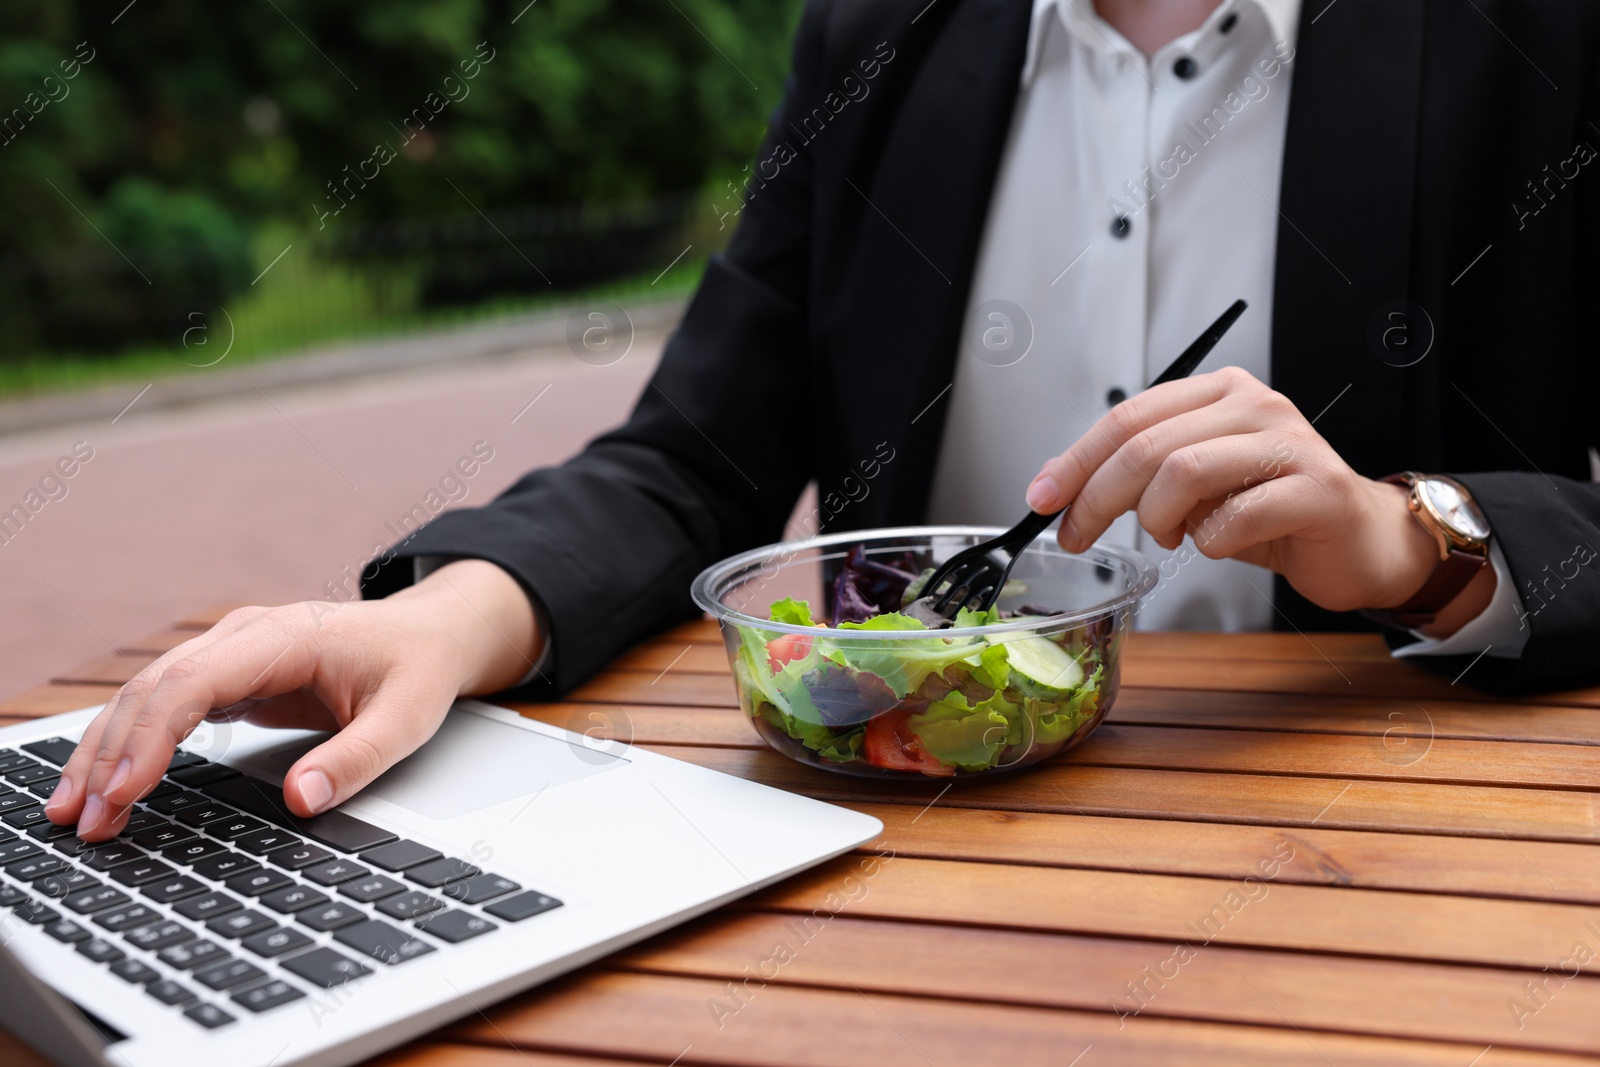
(273,266)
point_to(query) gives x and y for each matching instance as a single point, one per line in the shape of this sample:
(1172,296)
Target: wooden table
(1279,849)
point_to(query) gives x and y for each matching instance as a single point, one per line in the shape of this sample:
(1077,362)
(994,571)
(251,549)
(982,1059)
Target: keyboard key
(443,871)
(126,917)
(193,851)
(22,818)
(11,896)
(398,855)
(157,936)
(373,887)
(333,828)
(180,758)
(254,883)
(522,906)
(410,905)
(100,950)
(267,996)
(169,992)
(35,912)
(208,1015)
(234,828)
(35,867)
(202,774)
(6,835)
(207,907)
(192,954)
(173,803)
(20,850)
(200,814)
(163,834)
(66,930)
(49,831)
(32,773)
(131,970)
(298,856)
(44,787)
(388,944)
(455,925)
(324,967)
(261,842)
(55,750)
(61,883)
(330,916)
(139,821)
(100,897)
(139,872)
(10,758)
(334,871)
(276,942)
(229,974)
(223,865)
(292,898)
(170,889)
(103,857)
(11,800)
(240,924)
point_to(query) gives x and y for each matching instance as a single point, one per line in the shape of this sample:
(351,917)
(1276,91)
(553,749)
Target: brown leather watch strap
(1453,574)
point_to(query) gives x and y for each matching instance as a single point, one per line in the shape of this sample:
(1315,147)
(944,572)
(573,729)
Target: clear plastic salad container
(831,672)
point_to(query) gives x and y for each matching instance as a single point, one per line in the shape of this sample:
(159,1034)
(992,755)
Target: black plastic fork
(976,577)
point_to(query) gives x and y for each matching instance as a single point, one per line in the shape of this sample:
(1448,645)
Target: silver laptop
(220,928)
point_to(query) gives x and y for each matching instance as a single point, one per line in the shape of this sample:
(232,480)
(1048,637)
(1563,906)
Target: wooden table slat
(1187,979)
(658,1018)
(1494,867)
(1424,927)
(1062,786)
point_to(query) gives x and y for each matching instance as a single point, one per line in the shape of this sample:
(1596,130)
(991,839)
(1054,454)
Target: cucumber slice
(1040,659)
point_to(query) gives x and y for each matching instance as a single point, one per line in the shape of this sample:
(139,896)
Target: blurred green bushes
(184,131)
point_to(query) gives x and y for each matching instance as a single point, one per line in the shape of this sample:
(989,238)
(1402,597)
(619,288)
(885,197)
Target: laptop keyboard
(218,900)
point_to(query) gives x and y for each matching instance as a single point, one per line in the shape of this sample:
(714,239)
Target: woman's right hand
(380,673)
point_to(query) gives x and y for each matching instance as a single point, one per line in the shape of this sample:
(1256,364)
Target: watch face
(1458,510)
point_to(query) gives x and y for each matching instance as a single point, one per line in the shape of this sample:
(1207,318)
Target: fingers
(1206,471)
(1064,477)
(387,728)
(67,801)
(1238,526)
(270,655)
(1117,485)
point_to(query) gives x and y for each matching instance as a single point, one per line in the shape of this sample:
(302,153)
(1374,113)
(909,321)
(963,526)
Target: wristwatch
(1446,510)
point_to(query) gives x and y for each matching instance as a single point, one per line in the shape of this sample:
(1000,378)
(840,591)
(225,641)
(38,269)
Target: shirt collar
(1079,17)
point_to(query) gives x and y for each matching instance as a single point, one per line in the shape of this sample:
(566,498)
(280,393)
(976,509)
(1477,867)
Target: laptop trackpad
(476,762)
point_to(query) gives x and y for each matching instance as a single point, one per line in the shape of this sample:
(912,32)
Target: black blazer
(1438,153)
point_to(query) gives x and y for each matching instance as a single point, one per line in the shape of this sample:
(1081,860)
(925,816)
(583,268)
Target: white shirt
(1135,201)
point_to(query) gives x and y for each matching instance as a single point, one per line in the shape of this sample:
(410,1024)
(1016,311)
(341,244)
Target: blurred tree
(177,129)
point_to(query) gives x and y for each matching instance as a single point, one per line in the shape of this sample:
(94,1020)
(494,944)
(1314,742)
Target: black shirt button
(1228,23)
(1185,68)
(1115,396)
(1121,225)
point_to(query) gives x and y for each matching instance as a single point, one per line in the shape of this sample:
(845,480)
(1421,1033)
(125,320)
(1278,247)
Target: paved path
(267,495)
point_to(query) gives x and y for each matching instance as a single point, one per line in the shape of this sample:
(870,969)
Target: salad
(934,705)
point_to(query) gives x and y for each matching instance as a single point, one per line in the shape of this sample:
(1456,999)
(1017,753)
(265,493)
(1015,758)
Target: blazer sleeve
(1549,532)
(609,542)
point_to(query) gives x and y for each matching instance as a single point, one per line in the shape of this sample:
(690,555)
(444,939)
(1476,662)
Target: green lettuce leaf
(840,746)
(792,611)
(962,734)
